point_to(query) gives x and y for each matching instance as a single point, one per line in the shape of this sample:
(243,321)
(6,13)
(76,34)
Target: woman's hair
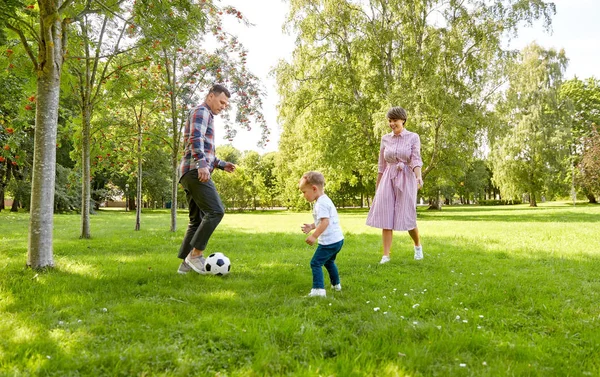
(397,113)
(313,178)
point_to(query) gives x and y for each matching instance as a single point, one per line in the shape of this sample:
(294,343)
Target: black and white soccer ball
(217,264)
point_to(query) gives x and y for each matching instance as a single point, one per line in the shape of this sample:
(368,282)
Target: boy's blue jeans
(325,256)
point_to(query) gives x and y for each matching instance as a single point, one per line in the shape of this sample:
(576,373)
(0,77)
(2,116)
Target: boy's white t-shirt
(325,209)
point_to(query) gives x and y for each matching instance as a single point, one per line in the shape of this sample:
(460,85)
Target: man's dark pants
(206,212)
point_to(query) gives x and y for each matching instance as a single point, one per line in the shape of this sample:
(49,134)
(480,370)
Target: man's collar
(208,107)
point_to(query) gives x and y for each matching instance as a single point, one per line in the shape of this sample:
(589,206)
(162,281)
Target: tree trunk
(85,172)
(138,210)
(591,198)
(174,176)
(41,222)
(15,205)
(532,201)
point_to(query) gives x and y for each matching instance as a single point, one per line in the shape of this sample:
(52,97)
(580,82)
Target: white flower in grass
(406,294)
(463,365)
(415,323)
(480,316)
(402,316)
(60,323)
(451,270)
(104,310)
(384,312)
(395,289)
(368,302)
(390,306)
(455,283)
(457,317)
(415,306)
(466,309)
(484,364)
(79,321)
(48,357)
(384,297)
(439,327)
(479,327)
(330,304)
(376,309)
(465,321)
(425,290)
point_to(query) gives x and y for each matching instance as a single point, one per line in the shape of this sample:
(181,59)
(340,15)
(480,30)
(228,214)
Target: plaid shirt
(199,142)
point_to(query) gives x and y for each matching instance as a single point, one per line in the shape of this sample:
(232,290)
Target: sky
(574,29)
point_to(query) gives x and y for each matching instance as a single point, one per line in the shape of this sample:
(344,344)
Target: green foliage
(590,163)
(512,287)
(496,202)
(442,61)
(530,156)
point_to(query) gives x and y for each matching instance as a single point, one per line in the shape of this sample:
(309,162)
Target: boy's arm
(321,228)
(318,231)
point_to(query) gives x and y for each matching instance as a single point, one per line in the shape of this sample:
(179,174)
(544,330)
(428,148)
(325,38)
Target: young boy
(327,231)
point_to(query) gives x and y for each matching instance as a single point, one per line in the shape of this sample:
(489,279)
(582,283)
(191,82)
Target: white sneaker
(337,287)
(418,252)
(384,259)
(317,292)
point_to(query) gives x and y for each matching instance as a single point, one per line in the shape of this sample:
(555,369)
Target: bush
(502,202)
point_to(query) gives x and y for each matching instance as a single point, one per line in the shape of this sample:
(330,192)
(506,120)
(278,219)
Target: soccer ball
(217,264)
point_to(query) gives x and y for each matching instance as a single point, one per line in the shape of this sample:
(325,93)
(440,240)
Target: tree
(53,18)
(581,100)
(99,36)
(177,41)
(529,157)
(590,162)
(440,60)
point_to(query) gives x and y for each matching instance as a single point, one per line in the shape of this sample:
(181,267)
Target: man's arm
(199,123)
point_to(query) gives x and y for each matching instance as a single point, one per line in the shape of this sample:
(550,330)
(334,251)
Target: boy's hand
(306,228)
(311,240)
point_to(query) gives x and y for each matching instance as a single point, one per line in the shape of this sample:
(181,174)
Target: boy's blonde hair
(313,178)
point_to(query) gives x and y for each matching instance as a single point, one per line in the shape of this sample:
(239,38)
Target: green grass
(524,282)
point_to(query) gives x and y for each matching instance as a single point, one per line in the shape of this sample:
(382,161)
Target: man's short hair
(218,89)
(313,178)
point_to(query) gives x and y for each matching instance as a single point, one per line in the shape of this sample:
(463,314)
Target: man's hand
(311,240)
(306,228)
(229,167)
(203,174)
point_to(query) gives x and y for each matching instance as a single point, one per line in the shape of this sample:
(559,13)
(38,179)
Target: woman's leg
(386,235)
(414,234)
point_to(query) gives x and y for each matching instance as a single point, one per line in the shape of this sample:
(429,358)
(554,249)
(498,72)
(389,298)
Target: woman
(398,178)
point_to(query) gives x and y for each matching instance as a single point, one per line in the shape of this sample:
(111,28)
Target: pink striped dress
(395,203)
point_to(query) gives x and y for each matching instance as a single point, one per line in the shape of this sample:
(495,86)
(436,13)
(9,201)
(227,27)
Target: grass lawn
(502,291)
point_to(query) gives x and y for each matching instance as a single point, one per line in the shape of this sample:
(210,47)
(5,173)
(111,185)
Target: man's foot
(317,292)
(196,263)
(384,259)
(418,252)
(337,287)
(184,268)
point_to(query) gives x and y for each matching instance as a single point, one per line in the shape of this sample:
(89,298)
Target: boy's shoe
(196,263)
(184,268)
(384,259)
(337,287)
(418,252)
(317,292)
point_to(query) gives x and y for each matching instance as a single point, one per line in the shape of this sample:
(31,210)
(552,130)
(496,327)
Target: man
(198,162)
